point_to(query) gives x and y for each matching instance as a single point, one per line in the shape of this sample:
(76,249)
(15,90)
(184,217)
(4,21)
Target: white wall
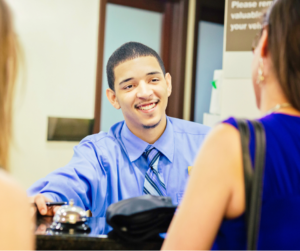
(237,96)
(126,24)
(59,40)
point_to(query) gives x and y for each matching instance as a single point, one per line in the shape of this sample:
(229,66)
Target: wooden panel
(197,19)
(97,113)
(152,5)
(177,56)
(166,36)
(215,4)
(212,15)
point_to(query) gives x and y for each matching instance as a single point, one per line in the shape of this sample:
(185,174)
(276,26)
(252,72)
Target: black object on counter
(56,203)
(96,239)
(140,218)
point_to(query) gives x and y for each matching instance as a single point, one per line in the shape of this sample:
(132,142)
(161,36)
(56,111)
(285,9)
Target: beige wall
(59,40)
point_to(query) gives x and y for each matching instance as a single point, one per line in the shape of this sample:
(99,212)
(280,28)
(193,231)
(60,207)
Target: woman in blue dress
(212,211)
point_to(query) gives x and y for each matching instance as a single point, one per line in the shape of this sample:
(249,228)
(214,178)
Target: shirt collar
(165,144)
(135,146)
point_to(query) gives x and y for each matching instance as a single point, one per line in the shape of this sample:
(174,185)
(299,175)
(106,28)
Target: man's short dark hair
(126,52)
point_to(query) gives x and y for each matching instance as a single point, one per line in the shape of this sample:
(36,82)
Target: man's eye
(155,80)
(128,87)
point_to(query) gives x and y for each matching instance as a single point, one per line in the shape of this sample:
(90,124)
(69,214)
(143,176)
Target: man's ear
(111,95)
(169,83)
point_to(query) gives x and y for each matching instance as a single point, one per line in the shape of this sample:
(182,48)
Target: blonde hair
(8,72)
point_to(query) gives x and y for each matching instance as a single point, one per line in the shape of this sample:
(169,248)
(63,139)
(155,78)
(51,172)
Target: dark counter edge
(66,242)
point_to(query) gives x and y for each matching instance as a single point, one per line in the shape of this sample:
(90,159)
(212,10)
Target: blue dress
(280,216)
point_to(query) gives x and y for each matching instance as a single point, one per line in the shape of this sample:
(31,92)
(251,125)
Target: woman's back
(280,219)
(17,227)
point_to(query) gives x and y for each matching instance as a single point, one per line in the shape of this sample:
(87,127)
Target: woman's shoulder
(12,196)
(230,121)
(10,186)
(15,211)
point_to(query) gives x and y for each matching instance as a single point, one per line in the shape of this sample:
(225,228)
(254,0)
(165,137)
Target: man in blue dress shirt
(111,166)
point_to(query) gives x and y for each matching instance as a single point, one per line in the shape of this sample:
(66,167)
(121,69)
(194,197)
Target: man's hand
(40,201)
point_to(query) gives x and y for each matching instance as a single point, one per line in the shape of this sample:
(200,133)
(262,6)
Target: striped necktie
(154,183)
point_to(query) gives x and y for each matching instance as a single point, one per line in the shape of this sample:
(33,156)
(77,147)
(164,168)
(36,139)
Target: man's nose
(144,90)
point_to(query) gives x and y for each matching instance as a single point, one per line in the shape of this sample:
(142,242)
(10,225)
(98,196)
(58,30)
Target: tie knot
(152,154)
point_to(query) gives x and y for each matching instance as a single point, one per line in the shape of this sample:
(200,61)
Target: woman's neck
(271,96)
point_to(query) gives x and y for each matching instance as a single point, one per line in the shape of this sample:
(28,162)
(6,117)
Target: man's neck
(149,135)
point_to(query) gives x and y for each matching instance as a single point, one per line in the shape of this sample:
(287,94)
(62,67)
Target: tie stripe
(153,184)
(161,183)
(147,153)
(154,159)
(146,191)
(149,189)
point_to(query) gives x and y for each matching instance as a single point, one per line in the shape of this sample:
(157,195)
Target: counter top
(99,238)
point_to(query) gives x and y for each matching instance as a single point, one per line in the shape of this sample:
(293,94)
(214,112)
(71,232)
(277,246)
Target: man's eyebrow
(150,73)
(125,80)
(153,73)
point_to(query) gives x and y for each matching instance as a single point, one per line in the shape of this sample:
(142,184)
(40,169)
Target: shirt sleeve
(83,179)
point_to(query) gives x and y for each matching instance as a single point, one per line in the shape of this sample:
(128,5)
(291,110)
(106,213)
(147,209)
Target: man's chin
(152,125)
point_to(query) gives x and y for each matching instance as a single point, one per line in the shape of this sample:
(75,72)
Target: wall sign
(243,23)
(68,129)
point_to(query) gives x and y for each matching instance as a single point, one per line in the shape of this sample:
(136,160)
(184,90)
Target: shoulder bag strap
(253,180)
(247,165)
(257,185)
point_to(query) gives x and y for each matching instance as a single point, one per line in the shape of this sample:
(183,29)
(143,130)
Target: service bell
(70,214)
(70,219)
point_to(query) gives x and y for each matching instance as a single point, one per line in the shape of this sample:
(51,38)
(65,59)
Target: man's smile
(147,107)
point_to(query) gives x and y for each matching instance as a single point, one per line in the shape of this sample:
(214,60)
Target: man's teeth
(147,107)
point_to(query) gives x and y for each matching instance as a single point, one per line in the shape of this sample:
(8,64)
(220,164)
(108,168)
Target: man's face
(141,91)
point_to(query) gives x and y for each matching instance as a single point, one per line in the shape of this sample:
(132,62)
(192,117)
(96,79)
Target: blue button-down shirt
(109,167)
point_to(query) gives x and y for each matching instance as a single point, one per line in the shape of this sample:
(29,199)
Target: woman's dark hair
(283,19)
